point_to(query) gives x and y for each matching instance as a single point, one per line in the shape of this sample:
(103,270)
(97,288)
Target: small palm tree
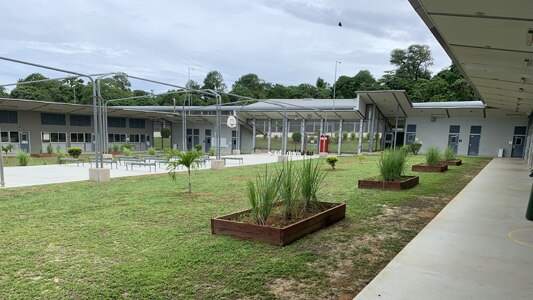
(188,159)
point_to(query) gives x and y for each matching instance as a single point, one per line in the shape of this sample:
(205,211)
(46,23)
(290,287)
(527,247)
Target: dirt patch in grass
(334,170)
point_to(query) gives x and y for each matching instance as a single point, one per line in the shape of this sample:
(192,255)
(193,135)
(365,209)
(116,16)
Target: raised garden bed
(426,168)
(230,225)
(407,182)
(457,162)
(41,155)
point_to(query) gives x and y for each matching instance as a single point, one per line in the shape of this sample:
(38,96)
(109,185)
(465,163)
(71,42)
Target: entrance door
(189,139)
(25,141)
(453,142)
(473,144)
(234,140)
(207,140)
(518,146)
(196,137)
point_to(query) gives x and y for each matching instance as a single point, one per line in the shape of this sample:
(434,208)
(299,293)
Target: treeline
(411,74)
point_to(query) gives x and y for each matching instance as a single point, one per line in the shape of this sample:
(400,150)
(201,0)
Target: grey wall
(30,121)
(495,133)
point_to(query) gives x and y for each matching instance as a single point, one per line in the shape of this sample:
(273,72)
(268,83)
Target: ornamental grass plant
(449,154)
(392,164)
(432,156)
(263,194)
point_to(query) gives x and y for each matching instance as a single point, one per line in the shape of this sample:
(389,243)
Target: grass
(145,237)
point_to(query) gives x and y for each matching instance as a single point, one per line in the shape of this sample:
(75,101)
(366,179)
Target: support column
(302,132)
(269,134)
(396,127)
(254,133)
(340,138)
(360,141)
(284,136)
(372,123)
(237,135)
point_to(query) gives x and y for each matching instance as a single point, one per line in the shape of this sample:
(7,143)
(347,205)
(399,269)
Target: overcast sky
(282,41)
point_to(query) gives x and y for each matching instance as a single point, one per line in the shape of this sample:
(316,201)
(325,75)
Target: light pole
(335,83)
(2,181)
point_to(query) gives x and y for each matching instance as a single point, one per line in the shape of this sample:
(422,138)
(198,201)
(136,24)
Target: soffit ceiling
(487,40)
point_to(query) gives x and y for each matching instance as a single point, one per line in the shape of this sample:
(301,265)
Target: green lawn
(144,238)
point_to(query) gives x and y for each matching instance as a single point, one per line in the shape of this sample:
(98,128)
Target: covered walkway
(479,247)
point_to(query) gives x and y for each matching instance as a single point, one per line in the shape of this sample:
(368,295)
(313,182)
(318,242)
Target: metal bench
(128,159)
(64,160)
(105,161)
(141,163)
(239,159)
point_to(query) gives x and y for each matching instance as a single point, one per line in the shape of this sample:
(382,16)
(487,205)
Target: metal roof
(490,42)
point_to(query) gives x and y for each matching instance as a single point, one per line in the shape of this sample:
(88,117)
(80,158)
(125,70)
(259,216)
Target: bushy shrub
(198,147)
(151,151)
(353,135)
(345,135)
(116,148)
(432,156)
(415,147)
(332,161)
(126,146)
(23,158)
(59,154)
(165,132)
(127,152)
(296,136)
(49,149)
(74,152)
(392,164)
(449,154)
(312,138)
(212,151)
(406,149)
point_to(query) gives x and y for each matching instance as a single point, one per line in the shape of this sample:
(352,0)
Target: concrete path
(47,174)
(479,247)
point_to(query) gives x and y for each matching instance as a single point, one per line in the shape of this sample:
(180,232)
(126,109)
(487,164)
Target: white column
(269,134)
(340,138)
(360,142)
(253,135)
(302,132)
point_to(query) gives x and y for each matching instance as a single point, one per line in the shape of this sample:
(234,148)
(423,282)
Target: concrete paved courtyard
(47,174)
(479,247)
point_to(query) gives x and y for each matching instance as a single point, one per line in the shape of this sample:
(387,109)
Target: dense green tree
(3,92)
(412,63)
(214,81)
(346,86)
(45,91)
(250,85)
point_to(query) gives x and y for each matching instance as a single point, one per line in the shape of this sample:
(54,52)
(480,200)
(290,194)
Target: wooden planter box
(434,169)
(452,162)
(407,183)
(40,155)
(226,225)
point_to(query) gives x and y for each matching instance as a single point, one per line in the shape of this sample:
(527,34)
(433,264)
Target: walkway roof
(491,43)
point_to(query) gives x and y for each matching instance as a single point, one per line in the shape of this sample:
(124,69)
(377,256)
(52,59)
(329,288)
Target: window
(52,119)
(4,136)
(137,138)
(116,122)
(455,128)
(475,130)
(520,130)
(411,128)
(80,137)
(7,116)
(54,137)
(116,138)
(14,136)
(137,123)
(76,120)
